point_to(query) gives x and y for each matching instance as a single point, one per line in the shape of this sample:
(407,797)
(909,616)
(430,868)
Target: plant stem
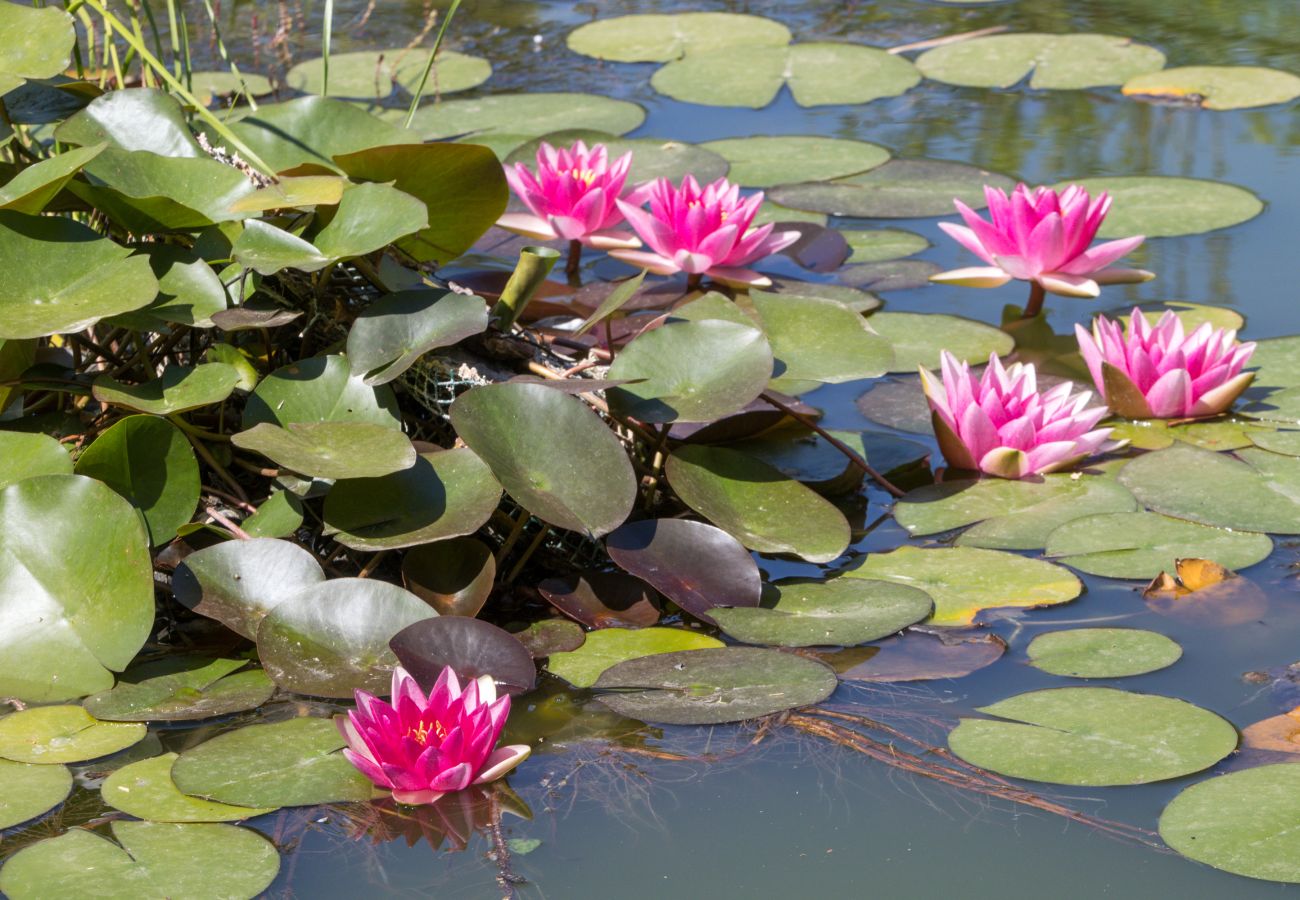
(574,260)
(428,66)
(326,31)
(1034,305)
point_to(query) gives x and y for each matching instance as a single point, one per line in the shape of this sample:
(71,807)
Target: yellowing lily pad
(607,647)
(145,790)
(1051,61)
(1217,87)
(62,734)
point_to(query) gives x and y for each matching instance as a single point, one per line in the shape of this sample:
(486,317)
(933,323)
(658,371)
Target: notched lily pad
(179,389)
(62,734)
(1051,61)
(918,338)
(608,647)
(199,691)
(1216,87)
(900,189)
(660,38)
(602,599)
(145,790)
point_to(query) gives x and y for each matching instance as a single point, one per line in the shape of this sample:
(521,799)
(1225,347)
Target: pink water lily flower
(1042,237)
(1160,373)
(1001,425)
(572,197)
(702,231)
(423,747)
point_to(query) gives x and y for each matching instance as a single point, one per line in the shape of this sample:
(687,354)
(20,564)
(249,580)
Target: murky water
(794,815)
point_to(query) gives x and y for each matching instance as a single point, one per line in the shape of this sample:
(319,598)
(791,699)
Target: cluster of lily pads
(284,411)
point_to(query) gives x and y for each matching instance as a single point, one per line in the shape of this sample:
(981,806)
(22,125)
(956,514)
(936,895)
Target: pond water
(784,813)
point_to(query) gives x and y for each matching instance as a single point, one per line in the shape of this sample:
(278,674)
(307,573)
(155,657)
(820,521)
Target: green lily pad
(1243,822)
(818,74)
(750,500)
(775,212)
(78,587)
(444,495)
(819,340)
(527,114)
(660,38)
(965,581)
(331,449)
(691,372)
(651,157)
(144,192)
(1012,515)
(280,515)
(370,74)
(1217,87)
(1051,61)
(332,638)
(811,459)
(25,455)
(454,576)
(1102,652)
(1163,206)
(320,389)
(239,582)
(1144,544)
(28,790)
(891,275)
(1255,492)
(314,130)
(293,763)
(1093,736)
(150,861)
(1284,442)
(550,452)
(189,291)
(179,389)
(368,218)
(769,160)
(35,186)
(267,250)
(707,687)
(1192,315)
(882,244)
(1278,406)
(145,790)
(37,43)
(898,404)
(134,119)
(607,647)
(917,339)
(1278,360)
(212,688)
(63,734)
(844,611)
(900,189)
(82,278)
(208,86)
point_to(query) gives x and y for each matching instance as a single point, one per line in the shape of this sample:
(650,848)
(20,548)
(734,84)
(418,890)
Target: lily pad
(391,334)
(179,389)
(882,244)
(370,74)
(547,636)
(691,372)
(37,43)
(602,599)
(208,86)
(133,119)
(898,404)
(763,509)
(769,160)
(1163,206)
(314,130)
(660,38)
(923,656)
(1217,87)
(964,581)
(332,638)
(1243,822)
(818,74)
(293,763)
(1051,61)
(1255,492)
(1093,736)
(320,389)
(707,687)
(551,452)
(814,461)
(27,790)
(1102,652)
(843,611)
(528,114)
(471,647)
(1144,544)
(331,449)
(1284,442)
(651,157)
(695,565)
(900,189)
(150,861)
(210,688)
(1012,515)
(891,275)
(189,291)
(78,586)
(63,734)
(1278,406)
(608,647)
(453,576)
(280,515)
(145,790)
(918,338)
(143,192)
(819,340)
(34,187)
(1278,360)
(24,455)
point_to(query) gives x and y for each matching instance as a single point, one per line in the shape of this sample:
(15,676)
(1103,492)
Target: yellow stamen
(421,732)
(587,176)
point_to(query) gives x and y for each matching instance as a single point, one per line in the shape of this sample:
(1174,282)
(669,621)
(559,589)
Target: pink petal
(417,798)
(966,237)
(739,277)
(611,239)
(502,760)
(1171,395)
(1101,256)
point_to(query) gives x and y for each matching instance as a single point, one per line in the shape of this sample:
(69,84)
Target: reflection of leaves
(453,819)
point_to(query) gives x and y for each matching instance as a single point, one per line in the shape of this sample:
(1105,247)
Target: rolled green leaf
(535,263)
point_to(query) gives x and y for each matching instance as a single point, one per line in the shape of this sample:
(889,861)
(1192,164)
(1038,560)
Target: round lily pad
(815,339)
(1012,515)
(1051,61)
(963,581)
(179,389)
(660,38)
(882,244)
(145,790)
(37,41)
(1284,442)
(918,338)
(1243,822)
(62,734)
(547,636)
(841,611)
(651,157)
(898,403)
(392,333)
(602,599)
(762,508)
(891,275)
(691,372)
(27,790)
(331,449)
(1254,492)
(917,655)
(1277,406)
(1217,87)
(707,687)
(320,389)
(818,74)
(609,646)
(150,861)
(1102,652)
(1278,360)
(768,160)
(528,114)
(1164,206)
(453,576)
(23,455)
(1144,544)
(208,85)
(293,763)
(1093,736)
(900,189)
(469,647)
(370,74)
(201,690)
